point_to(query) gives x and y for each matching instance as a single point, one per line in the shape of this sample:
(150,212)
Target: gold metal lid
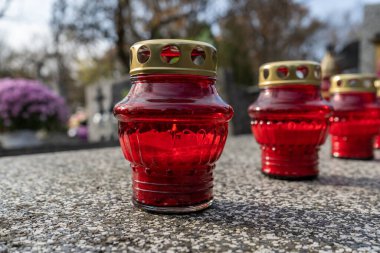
(289,72)
(377,85)
(173,56)
(346,83)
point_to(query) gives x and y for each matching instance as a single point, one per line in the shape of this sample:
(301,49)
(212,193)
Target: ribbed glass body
(173,128)
(354,124)
(290,122)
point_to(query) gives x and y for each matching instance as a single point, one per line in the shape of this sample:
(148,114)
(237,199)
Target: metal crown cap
(346,83)
(377,85)
(289,72)
(173,56)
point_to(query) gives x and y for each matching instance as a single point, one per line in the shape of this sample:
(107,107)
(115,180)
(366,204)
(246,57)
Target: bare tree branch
(124,22)
(155,28)
(120,21)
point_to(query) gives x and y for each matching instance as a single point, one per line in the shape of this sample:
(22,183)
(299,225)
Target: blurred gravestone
(239,97)
(100,99)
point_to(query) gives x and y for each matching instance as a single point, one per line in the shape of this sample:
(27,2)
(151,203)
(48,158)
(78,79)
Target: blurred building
(369,55)
(347,59)
(362,55)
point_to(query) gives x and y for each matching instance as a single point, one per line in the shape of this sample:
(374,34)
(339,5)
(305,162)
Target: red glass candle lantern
(290,119)
(354,122)
(173,125)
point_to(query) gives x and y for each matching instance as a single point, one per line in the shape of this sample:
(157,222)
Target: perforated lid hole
(302,72)
(353,82)
(170,54)
(143,54)
(266,73)
(198,55)
(368,83)
(282,72)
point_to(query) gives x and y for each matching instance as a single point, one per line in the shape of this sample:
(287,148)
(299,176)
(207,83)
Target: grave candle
(290,119)
(354,122)
(173,125)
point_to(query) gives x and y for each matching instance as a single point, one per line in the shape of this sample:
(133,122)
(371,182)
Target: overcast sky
(27,20)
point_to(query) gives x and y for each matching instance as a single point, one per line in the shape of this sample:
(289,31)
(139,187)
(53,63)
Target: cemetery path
(80,202)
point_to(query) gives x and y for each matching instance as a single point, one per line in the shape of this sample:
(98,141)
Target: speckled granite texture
(80,202)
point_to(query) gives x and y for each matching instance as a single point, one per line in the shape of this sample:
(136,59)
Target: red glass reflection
(377,138)
(172,129)
(290,123)
(354,124)
(325,87)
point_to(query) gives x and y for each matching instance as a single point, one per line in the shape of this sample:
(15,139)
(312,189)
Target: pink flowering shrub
(28,104)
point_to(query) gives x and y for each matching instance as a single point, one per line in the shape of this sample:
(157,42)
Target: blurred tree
(47,60)
(259,31)
(104,67)
(41,64)
(63,56)
(123,22)
(63,78)
(341,30)
(25,63)
(3,7)
(252,31)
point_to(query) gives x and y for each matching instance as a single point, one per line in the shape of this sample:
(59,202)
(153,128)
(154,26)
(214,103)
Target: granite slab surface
(80,202)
